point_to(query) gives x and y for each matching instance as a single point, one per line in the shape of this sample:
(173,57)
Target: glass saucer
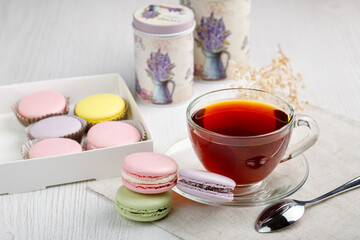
(285,180)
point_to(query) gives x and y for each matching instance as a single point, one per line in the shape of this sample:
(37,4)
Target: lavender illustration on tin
(211,39)
(152,11)
(160,70)
(212,34)
(179,10)
(199,72)
(142,92)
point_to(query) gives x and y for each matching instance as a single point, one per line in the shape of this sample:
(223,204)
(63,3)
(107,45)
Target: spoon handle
(347,186)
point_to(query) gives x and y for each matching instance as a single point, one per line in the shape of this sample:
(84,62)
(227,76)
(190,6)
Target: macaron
(112,133)
(101,107)
(142,207)
(56,127)
(53,147)
(149,173)
(42,103)
(206,185)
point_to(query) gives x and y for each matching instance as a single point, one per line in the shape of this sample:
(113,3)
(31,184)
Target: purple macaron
(206,185)
(55,127)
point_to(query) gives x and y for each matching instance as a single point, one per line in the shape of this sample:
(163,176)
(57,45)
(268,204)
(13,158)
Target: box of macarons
(67,130)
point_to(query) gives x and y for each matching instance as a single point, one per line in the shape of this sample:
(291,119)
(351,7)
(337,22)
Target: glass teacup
(244,133)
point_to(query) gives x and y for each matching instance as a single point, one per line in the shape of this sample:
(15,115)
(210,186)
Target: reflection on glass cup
(244,133)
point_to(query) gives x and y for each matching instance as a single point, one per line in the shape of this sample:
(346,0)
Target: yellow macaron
(101,107)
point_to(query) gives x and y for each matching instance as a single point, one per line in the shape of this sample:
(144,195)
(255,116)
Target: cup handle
(308,140)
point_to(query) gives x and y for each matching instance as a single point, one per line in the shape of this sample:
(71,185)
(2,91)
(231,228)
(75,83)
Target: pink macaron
(112,133)
(149,173)
(53,147)
(42,103)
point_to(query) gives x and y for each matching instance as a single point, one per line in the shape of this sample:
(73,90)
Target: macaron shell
(142,202)
(54,127)
(141,207)
(204,194)
(100,107)
(148,165)
(42,103)
(112,133)
(149,188)
(53,147)
(142,217)
(208,178)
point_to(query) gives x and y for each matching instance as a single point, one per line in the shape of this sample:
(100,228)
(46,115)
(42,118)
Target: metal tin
(164,53)
(222,34)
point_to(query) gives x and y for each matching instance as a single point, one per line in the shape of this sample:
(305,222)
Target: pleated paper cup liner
(25,148)
(138,126)
(27,122)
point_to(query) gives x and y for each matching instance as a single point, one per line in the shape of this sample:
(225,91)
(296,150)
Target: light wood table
(42,40)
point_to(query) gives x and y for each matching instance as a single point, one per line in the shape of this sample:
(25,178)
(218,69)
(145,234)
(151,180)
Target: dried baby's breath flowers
(276,77)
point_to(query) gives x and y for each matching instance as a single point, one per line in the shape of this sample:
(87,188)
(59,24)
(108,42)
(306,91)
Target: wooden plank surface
(42,40)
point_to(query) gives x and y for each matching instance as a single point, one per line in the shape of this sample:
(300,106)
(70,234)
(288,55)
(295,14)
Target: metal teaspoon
(288,211)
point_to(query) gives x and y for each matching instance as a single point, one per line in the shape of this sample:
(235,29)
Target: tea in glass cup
(244,133)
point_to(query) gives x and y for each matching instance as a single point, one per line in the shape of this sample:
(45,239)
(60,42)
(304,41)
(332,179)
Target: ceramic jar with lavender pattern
(221,34)
(164,53)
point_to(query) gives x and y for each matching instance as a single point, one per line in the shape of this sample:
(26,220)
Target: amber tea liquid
(239,150)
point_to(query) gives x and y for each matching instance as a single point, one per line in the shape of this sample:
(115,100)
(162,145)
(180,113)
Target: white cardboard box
(18,175)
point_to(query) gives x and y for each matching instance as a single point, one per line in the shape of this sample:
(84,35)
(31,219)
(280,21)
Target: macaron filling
(144,213)
(208,194)
(147,179)
(149,172)
(206,187)
(148,187)
(142,207)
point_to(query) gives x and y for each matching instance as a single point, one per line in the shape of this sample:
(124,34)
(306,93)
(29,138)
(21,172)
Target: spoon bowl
(286,212)
(279,215)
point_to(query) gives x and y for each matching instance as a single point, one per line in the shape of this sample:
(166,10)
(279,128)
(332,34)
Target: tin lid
(163,19)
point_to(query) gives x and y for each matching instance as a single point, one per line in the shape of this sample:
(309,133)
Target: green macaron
(142,207)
